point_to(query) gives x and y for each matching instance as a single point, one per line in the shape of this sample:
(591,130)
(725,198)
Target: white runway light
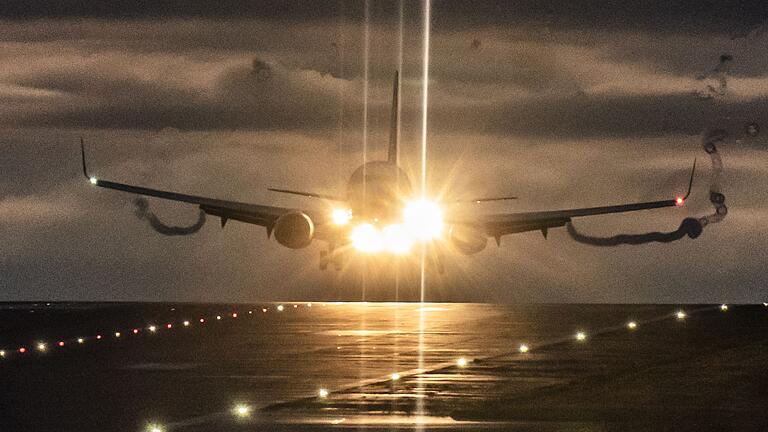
(152,328)
(724,307)
(323,393)
(581,336)
(80,340)
(280,308)
(681,315)
(524,348)
(395,376)
(186,323)
(2,353)
(41,346)
(631,325)
(155,428)
(462,362)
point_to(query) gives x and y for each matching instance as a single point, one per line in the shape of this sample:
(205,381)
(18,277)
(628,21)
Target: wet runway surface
(331,366)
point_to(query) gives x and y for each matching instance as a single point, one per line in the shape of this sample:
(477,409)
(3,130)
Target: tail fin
(394,122)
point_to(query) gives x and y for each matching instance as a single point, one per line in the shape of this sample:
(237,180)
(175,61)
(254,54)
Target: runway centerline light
(280,308)
(581,336)
(264,310)
(681,315)
(234,314)
(395,376)
(186,323)
(218,317)
(323,393)
(117,334)
(341,216)
(241,410)
(155,428)
(724,307)
(461,362)
(631,325)
(80,340)
(42,347)
(524,348)
(153,328)
(2,353)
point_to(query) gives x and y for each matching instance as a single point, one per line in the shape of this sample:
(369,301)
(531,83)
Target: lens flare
(396,239)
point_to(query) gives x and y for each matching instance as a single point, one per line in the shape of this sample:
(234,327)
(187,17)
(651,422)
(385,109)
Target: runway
(325,366)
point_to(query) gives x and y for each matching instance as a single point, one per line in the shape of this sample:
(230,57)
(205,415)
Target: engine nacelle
(294,230)
(468,241)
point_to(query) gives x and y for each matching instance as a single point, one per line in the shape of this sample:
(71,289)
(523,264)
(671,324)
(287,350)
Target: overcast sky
(589,104)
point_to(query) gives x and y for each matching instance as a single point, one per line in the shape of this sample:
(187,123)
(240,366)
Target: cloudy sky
(589,104)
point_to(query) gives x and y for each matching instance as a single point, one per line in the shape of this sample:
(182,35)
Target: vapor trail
(690,227)
(143,212)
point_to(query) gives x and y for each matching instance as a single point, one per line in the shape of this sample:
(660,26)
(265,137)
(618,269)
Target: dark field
(704,372)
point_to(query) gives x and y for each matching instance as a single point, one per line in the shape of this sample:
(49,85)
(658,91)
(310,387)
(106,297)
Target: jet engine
(294,230)
(468,241)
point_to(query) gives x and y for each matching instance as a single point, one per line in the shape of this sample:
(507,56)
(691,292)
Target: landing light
(366,238)
(423,219)
(341,216)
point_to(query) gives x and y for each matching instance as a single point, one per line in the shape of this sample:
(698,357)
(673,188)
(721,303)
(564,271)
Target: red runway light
(135,331)
(98,337)
(202,320)
(679,201)
(22,350)
(169,325)
(234,315)
(61,343)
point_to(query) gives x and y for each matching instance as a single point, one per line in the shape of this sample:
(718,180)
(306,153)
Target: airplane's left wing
(498,225)
(256,214)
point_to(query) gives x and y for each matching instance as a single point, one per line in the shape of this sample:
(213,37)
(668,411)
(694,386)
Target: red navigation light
(679,201)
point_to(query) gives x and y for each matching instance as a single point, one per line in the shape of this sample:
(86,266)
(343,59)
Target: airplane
(380,212)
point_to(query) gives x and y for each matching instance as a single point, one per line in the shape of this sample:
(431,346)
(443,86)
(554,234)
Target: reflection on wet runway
(527,367)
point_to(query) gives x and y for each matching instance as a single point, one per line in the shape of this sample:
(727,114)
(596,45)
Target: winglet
(82,154)
(690,182)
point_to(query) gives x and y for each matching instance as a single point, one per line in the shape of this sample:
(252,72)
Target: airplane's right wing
(498,225)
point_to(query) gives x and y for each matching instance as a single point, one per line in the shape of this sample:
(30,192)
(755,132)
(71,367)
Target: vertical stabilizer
(394,122)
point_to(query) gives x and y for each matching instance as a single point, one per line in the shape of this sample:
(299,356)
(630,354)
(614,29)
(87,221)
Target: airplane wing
(249,213)
(498,225)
